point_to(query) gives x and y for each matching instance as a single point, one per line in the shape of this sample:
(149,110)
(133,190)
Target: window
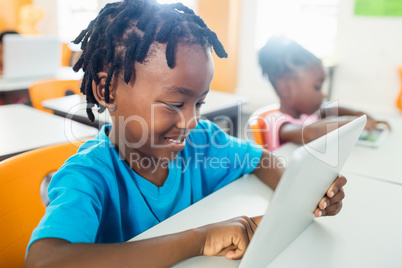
(312,23)
(74,16)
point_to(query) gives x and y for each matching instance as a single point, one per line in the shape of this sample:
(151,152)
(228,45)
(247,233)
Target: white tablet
(313,168)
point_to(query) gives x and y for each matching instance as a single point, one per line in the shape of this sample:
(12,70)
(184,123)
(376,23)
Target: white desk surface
(383,162)
(25,128)
(367,233)
(76,104)
(65,73)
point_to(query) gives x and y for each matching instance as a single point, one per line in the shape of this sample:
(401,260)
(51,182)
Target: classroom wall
(249,78)
(9,13)
(223,17)
(368,49)
(49,24)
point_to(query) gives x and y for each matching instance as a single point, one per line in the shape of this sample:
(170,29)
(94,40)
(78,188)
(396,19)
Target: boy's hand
(229,238)
(331,203)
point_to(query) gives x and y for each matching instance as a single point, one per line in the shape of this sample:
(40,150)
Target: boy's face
(156,112)
(307,89)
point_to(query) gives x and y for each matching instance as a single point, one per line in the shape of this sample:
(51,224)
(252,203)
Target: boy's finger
(333,209)
(324,203)
(249,226)
(256,219)
(235,254)
(336,186)
(318,212)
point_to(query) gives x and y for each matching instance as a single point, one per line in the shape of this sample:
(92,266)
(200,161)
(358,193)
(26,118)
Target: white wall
(250,81)
(49,24)
(368,49)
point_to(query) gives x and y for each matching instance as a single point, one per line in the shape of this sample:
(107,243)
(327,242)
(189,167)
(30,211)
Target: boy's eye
(174,107)
(199,104)
(318,88)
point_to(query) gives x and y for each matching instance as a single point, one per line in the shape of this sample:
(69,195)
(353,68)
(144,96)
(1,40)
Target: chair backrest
(66,54)
(399,98)
(257,122)
(21,205)
(51,89)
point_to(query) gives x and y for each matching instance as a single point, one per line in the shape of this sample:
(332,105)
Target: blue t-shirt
(95,197)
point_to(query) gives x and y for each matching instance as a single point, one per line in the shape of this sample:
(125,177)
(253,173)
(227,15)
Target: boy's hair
(123,33)
(281,56)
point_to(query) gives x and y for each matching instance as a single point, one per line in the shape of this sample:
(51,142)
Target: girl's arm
(229,238)
(304,134)
(343,111)
(339,111)
(270,170)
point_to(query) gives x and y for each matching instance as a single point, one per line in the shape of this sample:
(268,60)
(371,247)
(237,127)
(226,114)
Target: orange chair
(21,204)
(257,123)
(51,89)
(66,54)
(399,98)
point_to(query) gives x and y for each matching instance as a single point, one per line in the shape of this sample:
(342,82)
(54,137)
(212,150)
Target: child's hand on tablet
(229,238)
(331,203)
(372,124)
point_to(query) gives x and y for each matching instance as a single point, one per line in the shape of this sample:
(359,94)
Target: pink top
(274,121)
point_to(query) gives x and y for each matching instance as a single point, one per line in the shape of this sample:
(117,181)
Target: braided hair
(281,57)
(123,32)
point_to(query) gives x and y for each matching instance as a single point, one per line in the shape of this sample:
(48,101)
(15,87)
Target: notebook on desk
(311,171)
(27,57)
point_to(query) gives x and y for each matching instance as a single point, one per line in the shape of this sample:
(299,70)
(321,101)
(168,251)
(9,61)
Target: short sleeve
(77,195)
(273,123)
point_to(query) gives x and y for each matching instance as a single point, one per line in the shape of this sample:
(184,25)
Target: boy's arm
(157,252)
(270,170)
(229,238)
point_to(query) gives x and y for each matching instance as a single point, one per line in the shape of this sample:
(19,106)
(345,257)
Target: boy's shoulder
(95,152)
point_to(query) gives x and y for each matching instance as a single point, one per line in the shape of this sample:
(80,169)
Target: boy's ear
(99,90)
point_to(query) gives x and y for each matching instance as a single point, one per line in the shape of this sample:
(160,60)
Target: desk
(367,232)
(9,88)
(219,106)
(65,73)
(25,128)
(384,162)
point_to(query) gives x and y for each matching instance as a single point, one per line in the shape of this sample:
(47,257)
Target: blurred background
(359,41)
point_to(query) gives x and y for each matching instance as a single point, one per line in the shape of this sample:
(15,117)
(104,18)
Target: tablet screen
(372,138)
